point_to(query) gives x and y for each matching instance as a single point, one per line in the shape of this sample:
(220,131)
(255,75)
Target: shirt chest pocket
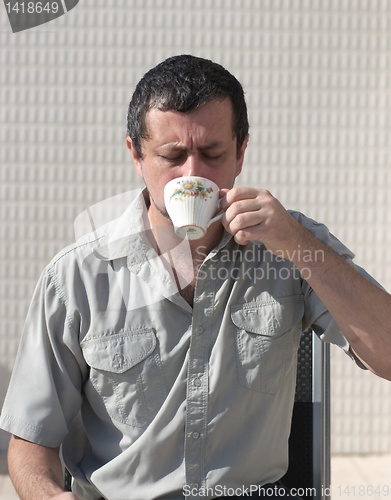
(126,378)
(267,336)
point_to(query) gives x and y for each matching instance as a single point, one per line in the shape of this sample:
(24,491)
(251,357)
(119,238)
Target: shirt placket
(197,390)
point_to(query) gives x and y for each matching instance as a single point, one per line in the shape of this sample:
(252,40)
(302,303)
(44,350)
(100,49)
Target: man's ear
(135,156)
(240,157)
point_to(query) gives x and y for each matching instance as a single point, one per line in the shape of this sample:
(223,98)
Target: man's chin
(162,210)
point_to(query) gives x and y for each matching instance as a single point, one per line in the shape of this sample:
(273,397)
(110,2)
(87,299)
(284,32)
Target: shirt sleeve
(317,317)
(44,394)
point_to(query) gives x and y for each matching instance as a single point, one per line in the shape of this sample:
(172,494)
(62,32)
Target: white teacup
(191,203)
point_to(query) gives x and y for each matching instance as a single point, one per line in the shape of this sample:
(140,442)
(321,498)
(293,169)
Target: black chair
(309,442)
(67,480)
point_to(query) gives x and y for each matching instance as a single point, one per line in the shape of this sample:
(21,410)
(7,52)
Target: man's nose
(194,166)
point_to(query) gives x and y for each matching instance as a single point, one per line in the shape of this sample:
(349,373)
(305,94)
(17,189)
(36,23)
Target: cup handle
(214,219)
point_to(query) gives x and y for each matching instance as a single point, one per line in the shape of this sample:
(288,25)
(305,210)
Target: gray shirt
(153,398)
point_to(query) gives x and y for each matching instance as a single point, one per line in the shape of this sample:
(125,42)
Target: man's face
(200,143)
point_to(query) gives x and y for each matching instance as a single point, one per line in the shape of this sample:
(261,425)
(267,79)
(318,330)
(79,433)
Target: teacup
(191,203)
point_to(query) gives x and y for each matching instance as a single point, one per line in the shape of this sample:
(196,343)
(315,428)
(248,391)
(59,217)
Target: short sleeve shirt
(149,395)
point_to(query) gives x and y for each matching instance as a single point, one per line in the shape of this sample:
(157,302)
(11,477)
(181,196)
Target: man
(159,388)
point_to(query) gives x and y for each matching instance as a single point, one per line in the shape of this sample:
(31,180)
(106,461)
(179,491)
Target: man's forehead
(207,145)
(214,116)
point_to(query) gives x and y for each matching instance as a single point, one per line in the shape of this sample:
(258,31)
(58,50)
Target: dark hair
(182,83)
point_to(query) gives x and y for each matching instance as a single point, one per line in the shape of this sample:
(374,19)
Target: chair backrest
(309,442)
(67,480)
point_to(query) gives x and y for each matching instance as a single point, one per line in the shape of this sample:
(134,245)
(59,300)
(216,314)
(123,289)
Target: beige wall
(317,75)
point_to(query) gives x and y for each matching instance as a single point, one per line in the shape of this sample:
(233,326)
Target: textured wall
(317,76)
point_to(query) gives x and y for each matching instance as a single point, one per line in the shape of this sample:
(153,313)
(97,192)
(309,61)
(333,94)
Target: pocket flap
(121,351)
(272,316)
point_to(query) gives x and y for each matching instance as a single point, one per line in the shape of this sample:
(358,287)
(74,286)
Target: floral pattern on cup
(194,188)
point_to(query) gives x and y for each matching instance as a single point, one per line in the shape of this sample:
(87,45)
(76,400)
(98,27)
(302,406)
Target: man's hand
(255,214)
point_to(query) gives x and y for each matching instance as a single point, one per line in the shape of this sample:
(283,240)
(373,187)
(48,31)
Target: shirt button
(197,382)
(200,329)
(195,435)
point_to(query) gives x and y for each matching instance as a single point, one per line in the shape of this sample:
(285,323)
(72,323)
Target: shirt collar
(125,236)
